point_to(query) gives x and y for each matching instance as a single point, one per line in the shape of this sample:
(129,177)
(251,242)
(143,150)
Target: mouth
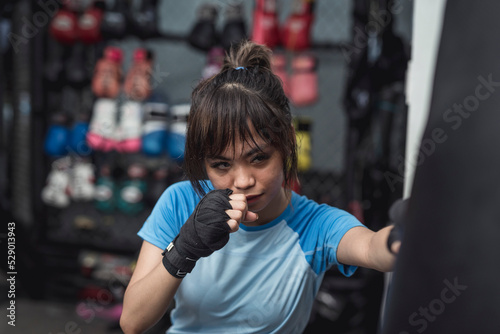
(253,198)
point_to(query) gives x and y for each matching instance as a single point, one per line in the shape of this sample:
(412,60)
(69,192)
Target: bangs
(229,115)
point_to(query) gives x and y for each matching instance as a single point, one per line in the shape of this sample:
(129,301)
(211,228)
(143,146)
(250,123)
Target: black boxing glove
(205,231)
(398,215)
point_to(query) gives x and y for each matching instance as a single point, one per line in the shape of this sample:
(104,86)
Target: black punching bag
(447,275)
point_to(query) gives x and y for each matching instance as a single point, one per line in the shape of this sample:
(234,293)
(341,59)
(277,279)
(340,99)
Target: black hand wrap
(397,214)
(205,231)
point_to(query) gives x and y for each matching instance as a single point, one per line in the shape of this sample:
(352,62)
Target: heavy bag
(447,273)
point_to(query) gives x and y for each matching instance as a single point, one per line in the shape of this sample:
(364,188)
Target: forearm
(380,258)
(146,301)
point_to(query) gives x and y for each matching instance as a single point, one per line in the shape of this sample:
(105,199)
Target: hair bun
(248,54)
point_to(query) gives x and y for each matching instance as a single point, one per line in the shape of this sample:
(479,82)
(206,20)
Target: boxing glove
(234,30)
(154,129)
(114,24)
(81,185)
(101,134)
(63,26)
(303,83)
(144,19)
(129,129)
(77,138)
(265,29)
(108,73)
(279,67)
(137,85)
(297,28)
(397,215)
(54,65)
(176,131)
(75,66)
(56,139)
(89,23)
(55,191)
(104,194)
(131,193)
(203,35)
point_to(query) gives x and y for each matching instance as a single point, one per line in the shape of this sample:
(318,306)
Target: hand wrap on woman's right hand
(205,231)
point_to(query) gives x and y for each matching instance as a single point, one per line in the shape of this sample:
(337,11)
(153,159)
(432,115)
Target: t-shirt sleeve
(321,228)
(341,223)
(168,215)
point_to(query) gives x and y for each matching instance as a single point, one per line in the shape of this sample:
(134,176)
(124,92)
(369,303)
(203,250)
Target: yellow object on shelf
(304,143)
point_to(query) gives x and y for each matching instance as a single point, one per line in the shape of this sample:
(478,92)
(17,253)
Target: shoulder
(181,191)
(304,206)
(321,227)
(310,216)
(179,187)
(178,200)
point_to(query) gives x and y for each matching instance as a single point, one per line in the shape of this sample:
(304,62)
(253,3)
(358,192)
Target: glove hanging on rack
(64,26)
(296,32)
(266,23)
(203,35)
(234,30)
(144,19)
(89,23)
(114,24)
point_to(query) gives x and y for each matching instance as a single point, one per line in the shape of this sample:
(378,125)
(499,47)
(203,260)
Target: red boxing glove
(108,73)
(64,26)
(89,24)
(297,28)
(137,84)
(265,23)
(303,82)
(278,65)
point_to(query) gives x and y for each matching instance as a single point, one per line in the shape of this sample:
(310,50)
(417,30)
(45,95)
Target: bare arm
(149,293)
(362,247)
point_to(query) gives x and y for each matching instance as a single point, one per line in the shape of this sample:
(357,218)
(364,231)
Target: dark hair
(223,105)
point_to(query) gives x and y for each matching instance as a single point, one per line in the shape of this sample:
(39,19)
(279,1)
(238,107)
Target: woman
(239,250)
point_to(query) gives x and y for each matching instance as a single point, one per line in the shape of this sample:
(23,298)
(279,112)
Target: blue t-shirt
(265,279)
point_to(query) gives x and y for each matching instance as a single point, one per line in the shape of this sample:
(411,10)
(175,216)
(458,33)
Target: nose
(243,178)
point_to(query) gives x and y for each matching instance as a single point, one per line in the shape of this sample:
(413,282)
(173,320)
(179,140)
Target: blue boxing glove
(205,231)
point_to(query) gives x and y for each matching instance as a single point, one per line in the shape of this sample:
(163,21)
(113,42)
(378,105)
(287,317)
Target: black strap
(175,263)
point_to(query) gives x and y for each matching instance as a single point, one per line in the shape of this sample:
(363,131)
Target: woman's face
(256,173)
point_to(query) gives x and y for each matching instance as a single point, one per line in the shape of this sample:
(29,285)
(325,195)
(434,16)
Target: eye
(222,165)
(260,158)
